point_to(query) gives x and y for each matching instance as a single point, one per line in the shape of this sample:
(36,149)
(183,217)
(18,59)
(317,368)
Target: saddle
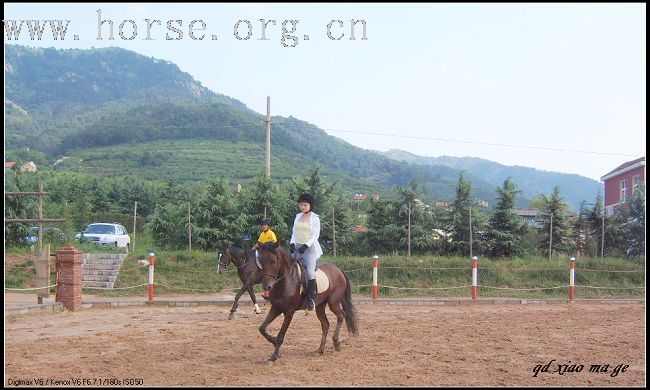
(322,282)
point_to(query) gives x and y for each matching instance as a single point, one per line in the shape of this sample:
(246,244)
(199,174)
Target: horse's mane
(279,251)
(240,252)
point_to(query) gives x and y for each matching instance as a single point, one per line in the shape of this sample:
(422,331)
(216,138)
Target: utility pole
(40,222)
(470,233)
(189,220)
(135,215)
(550,241)
(602,238)
(41,259)
(333,232)
(408,254)
(268,137)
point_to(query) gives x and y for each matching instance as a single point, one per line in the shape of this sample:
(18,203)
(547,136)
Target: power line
(482,143)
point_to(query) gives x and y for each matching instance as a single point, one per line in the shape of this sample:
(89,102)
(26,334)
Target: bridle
(274,276)
(231,257)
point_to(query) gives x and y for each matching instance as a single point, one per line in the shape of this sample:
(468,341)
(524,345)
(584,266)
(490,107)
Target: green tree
(315,185)
(263,193)
(347,240)
(458,222)
(382,227)
(636,224)
(18,206)
(215,219)
(167,226)
(410,200)
(556,224)
(504,230)
(579,228)
(595,220)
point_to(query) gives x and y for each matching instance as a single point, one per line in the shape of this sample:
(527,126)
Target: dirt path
(398,345)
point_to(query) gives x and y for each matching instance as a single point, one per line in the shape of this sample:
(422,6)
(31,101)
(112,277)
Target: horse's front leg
(254,299)
(272,315)
(234,305)
(280,339)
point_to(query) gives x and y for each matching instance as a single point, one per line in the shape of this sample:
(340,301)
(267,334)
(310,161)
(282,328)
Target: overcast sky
(550,86)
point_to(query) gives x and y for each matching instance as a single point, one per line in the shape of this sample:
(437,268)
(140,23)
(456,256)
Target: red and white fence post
(572,278)
(375,265)
(474,278)
(152,262)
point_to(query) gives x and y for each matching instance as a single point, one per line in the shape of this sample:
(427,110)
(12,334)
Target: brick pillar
(68,277)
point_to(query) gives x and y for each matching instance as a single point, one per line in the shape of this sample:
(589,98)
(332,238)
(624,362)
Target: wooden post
(43,275)
(40,277)
(470,233)
(408,251)
(40,217)
(267,158)
(333,232)
(189,219)
(135,216)
(550,241)
(602,238)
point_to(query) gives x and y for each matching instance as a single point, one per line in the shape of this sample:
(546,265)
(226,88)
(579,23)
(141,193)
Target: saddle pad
(322,283)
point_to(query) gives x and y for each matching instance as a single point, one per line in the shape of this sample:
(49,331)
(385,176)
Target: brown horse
(281,279)
(248,271)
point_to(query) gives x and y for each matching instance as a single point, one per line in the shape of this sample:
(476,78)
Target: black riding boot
(311,294)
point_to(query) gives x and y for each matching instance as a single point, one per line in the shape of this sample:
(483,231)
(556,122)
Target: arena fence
(473,288)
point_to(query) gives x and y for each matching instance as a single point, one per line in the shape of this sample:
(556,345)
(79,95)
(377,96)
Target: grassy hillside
(193,160)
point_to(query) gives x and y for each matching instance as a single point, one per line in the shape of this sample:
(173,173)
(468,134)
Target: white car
(112,234)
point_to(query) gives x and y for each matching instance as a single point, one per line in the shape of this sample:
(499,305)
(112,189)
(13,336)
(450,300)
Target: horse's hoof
(337,348)
(268,362)
(232,316)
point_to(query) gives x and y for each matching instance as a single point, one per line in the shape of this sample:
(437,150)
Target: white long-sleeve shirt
(314,223)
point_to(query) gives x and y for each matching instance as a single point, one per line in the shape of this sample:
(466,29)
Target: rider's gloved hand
(292,248)
(302,248)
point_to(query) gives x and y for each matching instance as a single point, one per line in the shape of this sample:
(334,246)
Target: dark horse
(248,271)
(281,279)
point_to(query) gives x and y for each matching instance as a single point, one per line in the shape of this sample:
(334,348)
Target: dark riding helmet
(307,198)
(264,221)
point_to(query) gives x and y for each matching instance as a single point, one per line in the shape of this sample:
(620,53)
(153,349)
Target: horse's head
(271,267)
(225,257)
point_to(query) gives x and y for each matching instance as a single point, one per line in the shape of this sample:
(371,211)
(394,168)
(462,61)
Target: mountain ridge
(118,98)
(496,173)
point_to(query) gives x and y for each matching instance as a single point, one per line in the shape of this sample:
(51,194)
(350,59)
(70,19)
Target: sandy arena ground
(398,345)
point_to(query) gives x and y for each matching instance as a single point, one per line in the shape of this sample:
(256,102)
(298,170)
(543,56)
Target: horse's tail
(348,309)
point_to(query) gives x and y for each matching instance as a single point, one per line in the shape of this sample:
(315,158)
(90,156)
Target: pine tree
(459,217)
(595,221)
(636,224)
(556,224)
(504,231)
